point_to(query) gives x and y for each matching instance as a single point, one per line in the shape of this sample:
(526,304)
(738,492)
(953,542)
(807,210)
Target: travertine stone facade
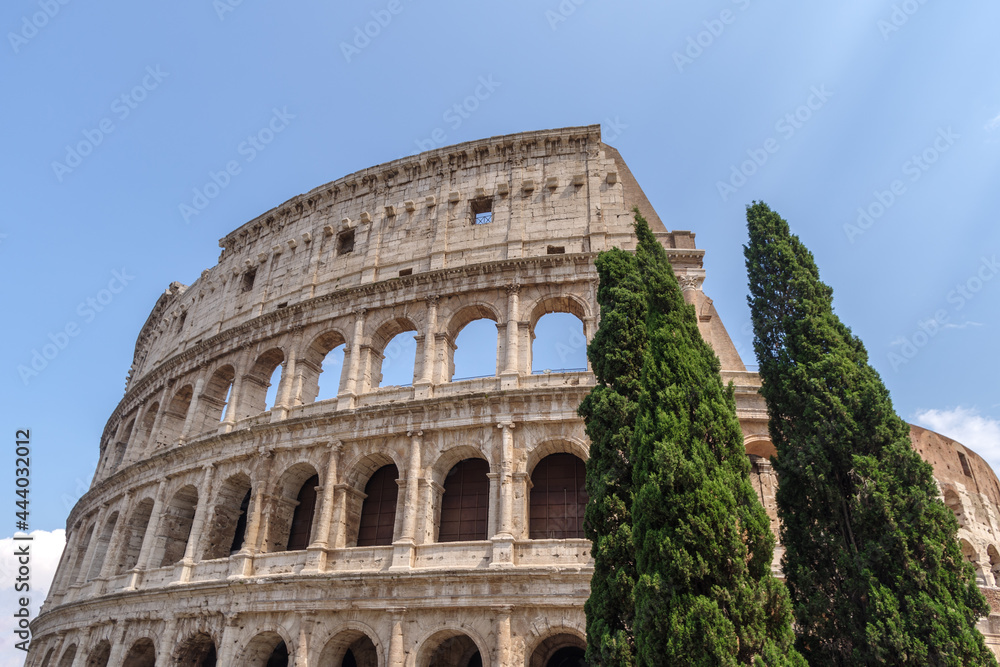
(429,524)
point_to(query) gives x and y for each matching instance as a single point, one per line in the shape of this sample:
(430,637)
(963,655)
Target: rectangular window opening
(556,250)
(965,464)
(482,211)
(248,279)
(405,272)
(345,242)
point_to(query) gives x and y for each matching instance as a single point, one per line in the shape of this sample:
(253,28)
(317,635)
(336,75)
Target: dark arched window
(241,525)
(302,519)
(465,504)
(378,512)
(558,498)
(279,656)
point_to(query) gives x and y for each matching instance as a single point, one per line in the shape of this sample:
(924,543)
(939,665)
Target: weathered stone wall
(179,551)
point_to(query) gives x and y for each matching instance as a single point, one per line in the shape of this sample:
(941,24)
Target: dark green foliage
(704,593)
(872,562)
(616,355)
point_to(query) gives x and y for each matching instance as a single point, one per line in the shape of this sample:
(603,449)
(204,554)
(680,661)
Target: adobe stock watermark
(962,294)
(121,108)
(786,126)
(87,311)
(364,34)
(898,17)
(30,25)
(699,42)
(223,7)
(248,149)
(913,169)
(561,13)
(458,113)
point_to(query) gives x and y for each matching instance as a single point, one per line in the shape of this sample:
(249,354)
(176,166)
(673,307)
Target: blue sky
(873,127)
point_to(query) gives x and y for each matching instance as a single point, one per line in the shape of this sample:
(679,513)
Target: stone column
(338,536)
(146,552)
(227,643)
(82,649)
(167,641)
(194,407)
(355,383)
(503,636)
(242,562)
(429,356)
(115,545)
(285,401)
(95,537)
(305,634)
(397,655)
(132,438)
(403,552)
(317,556)
(157,421)
(205,497)
(511,369)
(118,647)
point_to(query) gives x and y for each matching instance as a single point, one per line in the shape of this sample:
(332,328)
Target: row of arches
(293,371)
(219,518)
(350,648)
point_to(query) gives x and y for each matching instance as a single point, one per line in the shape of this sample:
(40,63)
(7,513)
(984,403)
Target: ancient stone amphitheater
(436,523)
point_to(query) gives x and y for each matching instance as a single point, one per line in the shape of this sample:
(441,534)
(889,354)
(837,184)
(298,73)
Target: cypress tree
(616,355)
(704,593)
(871,559)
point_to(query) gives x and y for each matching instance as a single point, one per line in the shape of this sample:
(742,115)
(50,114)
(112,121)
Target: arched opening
(294,509)
(352,648)
(465,502)
(378,510)
(49,656)
(228,525)
(302,518)
(449,648)
(175,525)
(81,553)
(172,423)
(970,554)
(100,655)
(136,528)
(122,445)
(558,344)
(322,368)
(101,547)
(558,498)
(260,385)
(142,654)
(215,398)
(68,656)
(994,556)
(393,354)
(475,353)
(146,427)
(954,503)
(560,650)
(267,649)
(196,651)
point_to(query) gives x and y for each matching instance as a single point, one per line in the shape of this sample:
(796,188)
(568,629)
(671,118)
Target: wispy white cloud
(45,550)
(994,123)
(979,433)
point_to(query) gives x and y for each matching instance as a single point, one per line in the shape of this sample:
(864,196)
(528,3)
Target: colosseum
(432,523)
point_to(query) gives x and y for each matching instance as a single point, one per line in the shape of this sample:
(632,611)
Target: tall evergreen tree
(871,558)
(704,593)
(616,355)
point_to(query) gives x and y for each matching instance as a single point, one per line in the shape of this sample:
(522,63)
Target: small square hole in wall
(405,272)
(556,250)
(482,211)
(248,278)
(345,242)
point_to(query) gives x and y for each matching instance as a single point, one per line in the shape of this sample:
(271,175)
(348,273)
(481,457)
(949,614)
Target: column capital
(506,425)
(415,433)
(512,288)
